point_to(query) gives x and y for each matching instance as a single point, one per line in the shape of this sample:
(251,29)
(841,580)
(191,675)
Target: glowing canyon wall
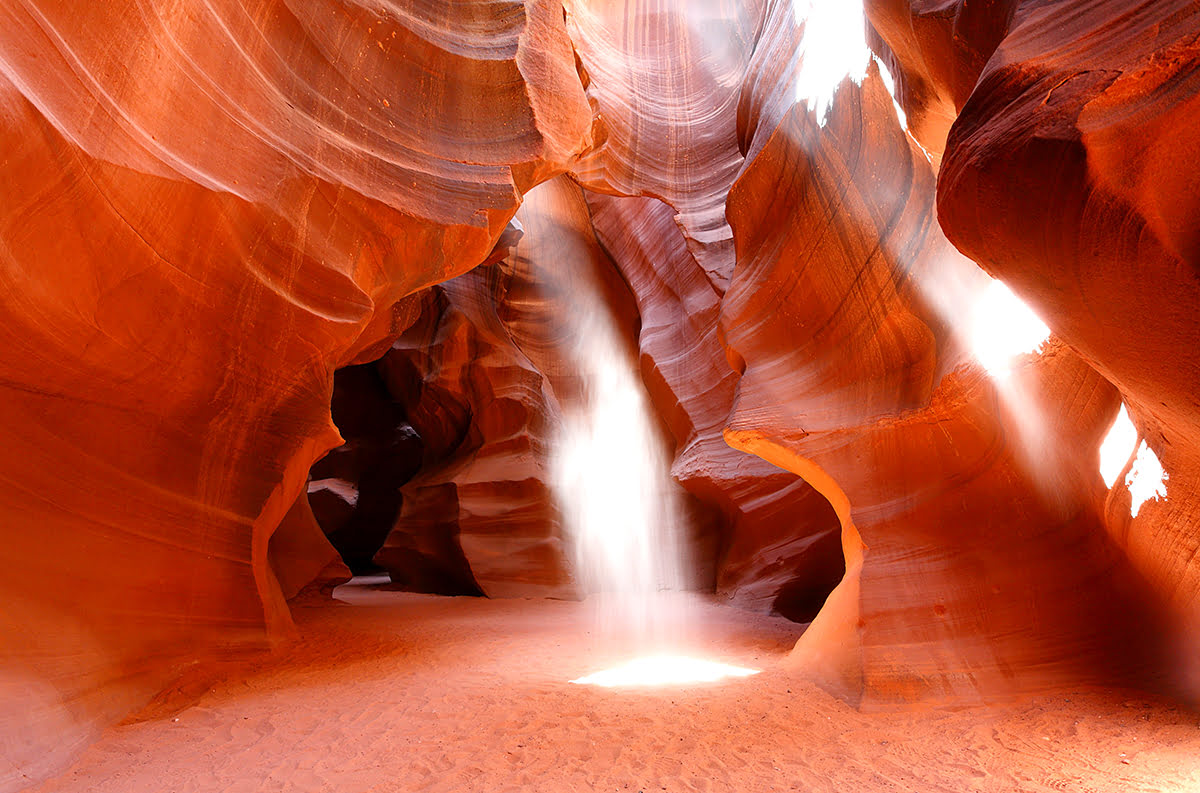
(209,209)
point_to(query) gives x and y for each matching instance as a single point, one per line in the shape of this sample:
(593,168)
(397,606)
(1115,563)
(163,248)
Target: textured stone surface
(485,377)
(977,561)
(1081,133)
(781,547)
(664,79)
(206,209)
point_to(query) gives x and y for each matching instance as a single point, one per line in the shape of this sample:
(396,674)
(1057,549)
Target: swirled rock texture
(664,79)
(207,208)
(1089,150)
(971,509)
(782,549)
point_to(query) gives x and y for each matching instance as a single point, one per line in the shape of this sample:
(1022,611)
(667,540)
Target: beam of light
(610,478)
(1002,329)
(1117,447)
(664,670)
(833,49)
(1146,480)
(610,474)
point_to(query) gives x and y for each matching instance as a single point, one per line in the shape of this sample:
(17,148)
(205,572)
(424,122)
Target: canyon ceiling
(207,209)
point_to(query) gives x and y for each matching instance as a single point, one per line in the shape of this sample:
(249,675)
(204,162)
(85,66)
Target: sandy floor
(398,692)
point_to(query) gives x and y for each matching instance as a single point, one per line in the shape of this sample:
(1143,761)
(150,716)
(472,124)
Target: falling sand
(388,691)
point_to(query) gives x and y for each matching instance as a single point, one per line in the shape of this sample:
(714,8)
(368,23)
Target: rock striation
(1083,137)
(208,208)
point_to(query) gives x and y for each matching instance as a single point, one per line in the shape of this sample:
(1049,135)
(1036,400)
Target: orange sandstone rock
(206,209)
(1070,174)
(977,563)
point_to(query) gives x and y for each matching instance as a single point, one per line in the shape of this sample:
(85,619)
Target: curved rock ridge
(935,52)
(971,509)
(478,517)
(1081,135)
(781,540)
(485,378)
(664,80)
(208,207)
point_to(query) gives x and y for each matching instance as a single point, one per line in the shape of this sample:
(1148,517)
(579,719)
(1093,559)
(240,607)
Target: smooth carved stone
(478,515)
(1087,152)
(206,210)
(977,563)
(935,53)
(664,79)
(781,547)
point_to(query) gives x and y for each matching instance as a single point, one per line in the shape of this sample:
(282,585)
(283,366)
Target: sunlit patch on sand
(1146,480)
(664,670)
(1004,328)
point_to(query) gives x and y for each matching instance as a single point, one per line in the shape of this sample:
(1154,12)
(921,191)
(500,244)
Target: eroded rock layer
(485,377)
(206,209)
(1081,136)
(782,550)
(971,508)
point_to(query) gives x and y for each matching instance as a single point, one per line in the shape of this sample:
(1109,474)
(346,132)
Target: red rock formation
(977,564)
(935,54)
(1081,136)
(485,377)
(479,514)
(782,548)
(210,207)
(664,79)
(206,209)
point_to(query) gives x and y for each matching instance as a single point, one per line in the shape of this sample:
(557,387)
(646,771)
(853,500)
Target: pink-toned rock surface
(781,548)
(206,209)
(664,79)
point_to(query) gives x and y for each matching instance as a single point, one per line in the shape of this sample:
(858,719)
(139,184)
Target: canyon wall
(209,209)
(206,210)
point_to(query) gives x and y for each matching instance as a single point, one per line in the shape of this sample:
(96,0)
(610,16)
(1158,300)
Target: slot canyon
(600,395)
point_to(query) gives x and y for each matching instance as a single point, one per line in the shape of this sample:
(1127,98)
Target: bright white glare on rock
(664,670)
(889,82)
(1118,445)
(1003,328)
(1146,480)
(833,48)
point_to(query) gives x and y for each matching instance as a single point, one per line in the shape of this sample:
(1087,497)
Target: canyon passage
(600,395)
